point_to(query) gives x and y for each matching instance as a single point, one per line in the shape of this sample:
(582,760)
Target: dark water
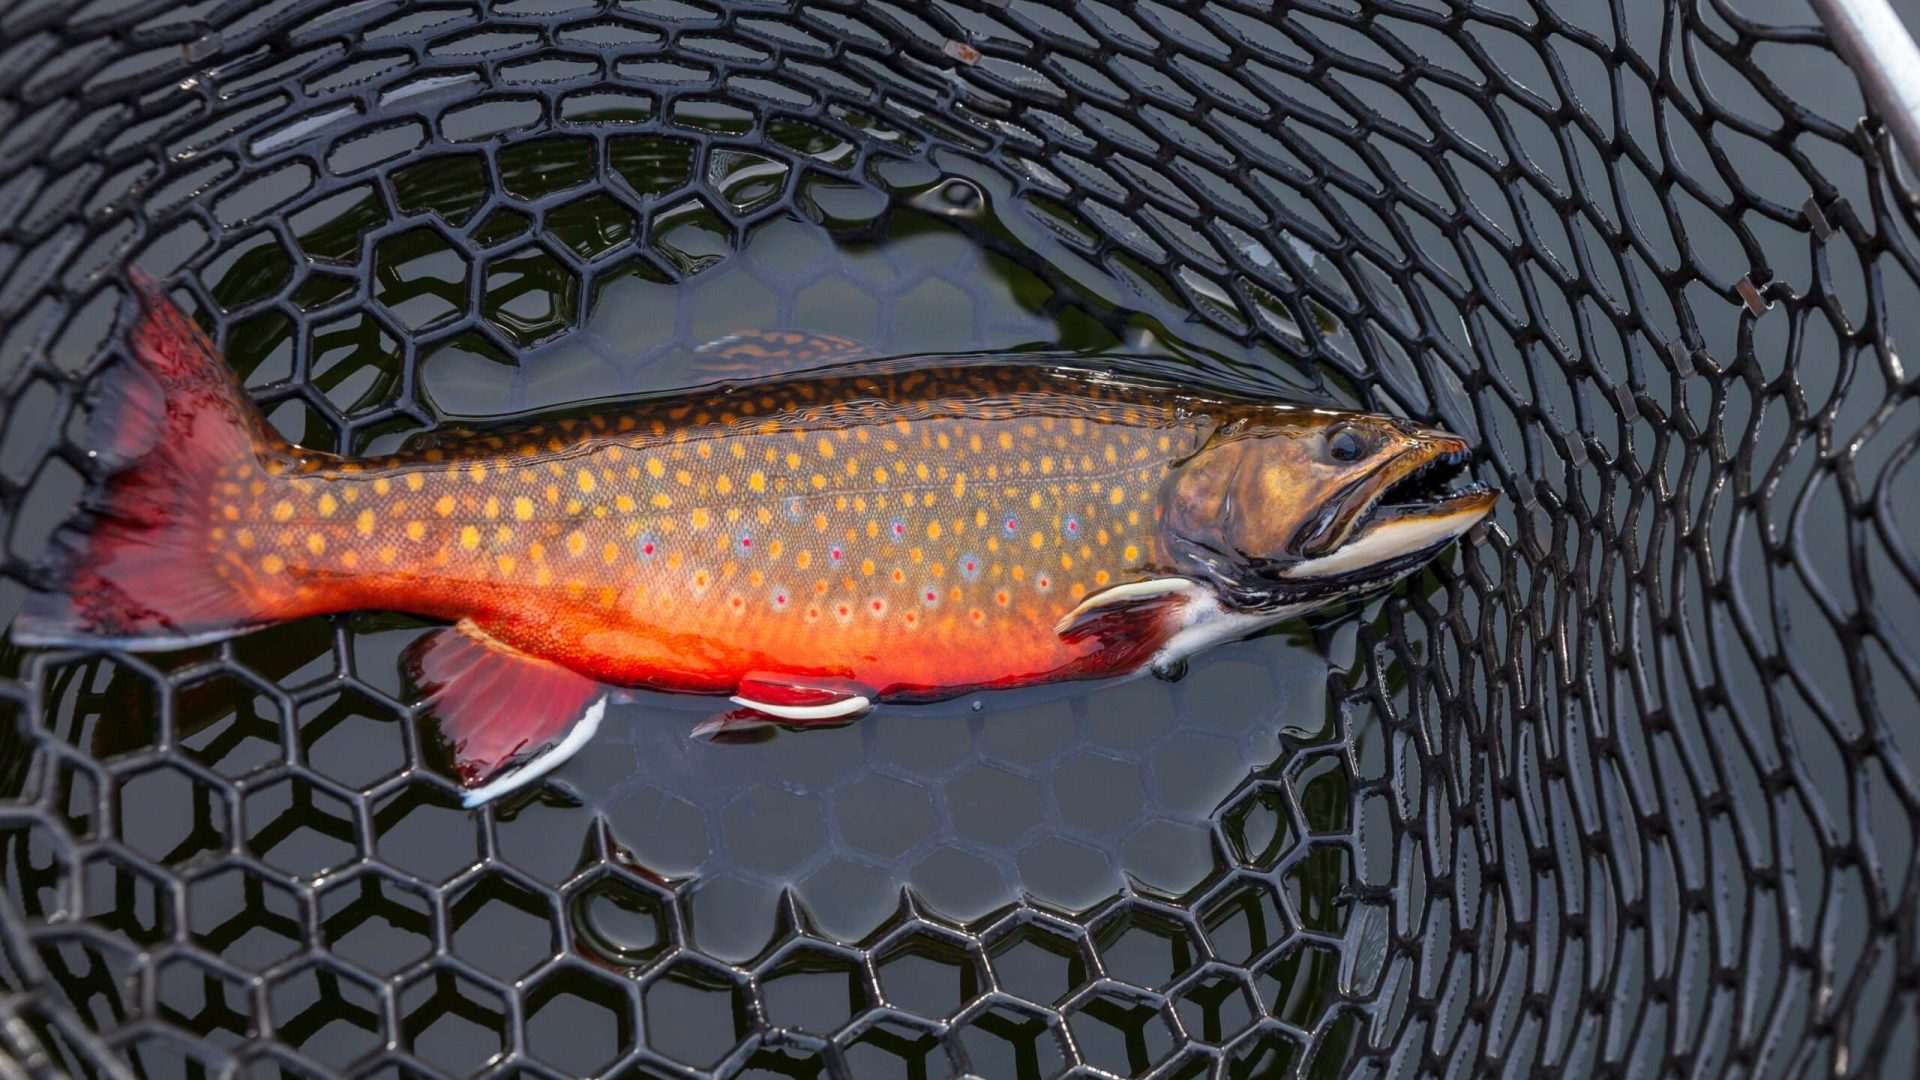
(1062,796)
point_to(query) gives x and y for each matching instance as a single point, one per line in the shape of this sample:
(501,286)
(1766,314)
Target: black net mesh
(1619,788)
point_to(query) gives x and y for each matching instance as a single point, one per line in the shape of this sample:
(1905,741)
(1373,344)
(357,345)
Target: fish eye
(1346,446)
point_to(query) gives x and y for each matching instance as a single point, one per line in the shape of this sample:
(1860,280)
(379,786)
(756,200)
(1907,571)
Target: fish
(807,546)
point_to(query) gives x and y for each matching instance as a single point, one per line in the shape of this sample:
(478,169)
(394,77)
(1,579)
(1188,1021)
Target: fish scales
(810,546)
(932,528)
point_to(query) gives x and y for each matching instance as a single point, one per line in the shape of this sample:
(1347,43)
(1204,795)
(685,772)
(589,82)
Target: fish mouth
(1403,513)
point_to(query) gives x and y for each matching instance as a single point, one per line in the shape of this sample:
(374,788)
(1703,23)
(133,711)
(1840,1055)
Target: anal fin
(502,709)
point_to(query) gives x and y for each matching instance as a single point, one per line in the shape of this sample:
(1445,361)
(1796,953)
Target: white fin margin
(543,763)
(1133,590)
(832,710)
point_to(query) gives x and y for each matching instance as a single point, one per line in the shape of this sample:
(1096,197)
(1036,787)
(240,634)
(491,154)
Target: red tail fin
(138,569)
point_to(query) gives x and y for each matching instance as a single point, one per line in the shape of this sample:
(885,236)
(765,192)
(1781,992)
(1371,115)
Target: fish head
(1290,508)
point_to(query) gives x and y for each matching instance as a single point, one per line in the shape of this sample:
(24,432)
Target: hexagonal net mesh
(1620,786)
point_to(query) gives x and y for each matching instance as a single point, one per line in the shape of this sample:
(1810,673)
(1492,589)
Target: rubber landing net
(1622,788)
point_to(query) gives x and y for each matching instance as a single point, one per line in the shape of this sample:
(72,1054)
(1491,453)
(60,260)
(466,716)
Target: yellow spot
(523,508)
(492,507)
(244,538)
(1066,561)
(1046,464)
(700,518)
(609,552)
(683,478)
(879,476)
(1131,553)
(282,510)
(959,484)
(443,505)
(316,543)
(920,470)
(415,481)
(1037,540)
(826,448)
(388,554)
(661,500)
(502,535)
(757,480)
(1117,495)
(793,460)
(1006,440)
(477,472)
(576,542)
(623,503)
(506,563)
(363,524)
(866,567)
(382,485)
(933,530)
(350,560)
(328,504)
(585,481)
(416,530)
(469,537)
(723,484)
(655,468)
(804,559)
(273,564)
(774,549)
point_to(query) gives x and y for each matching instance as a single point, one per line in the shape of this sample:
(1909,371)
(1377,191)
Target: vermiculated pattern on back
(1629,789)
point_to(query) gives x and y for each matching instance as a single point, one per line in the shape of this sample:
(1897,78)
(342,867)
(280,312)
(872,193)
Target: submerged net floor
(1622,786)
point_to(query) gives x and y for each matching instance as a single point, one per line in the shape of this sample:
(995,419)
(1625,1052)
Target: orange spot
(282,510)
(576,542)
(443,505)
(328,504)
(477,472)
(273,564)
(363,524)
(416,530)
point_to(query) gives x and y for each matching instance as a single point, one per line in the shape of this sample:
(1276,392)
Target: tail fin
(137,568)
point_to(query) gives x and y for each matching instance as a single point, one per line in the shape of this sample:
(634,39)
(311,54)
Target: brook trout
(808,546)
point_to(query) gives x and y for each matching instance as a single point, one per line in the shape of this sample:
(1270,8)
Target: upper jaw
(1346,511)
(1401,514)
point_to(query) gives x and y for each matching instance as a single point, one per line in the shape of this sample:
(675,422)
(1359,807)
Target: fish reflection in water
(808,545)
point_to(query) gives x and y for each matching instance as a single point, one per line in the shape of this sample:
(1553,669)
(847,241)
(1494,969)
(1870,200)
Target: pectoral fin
(1139,615)
(509,717)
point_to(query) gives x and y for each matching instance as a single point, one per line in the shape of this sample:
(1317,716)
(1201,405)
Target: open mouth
(1432,488)
(1408,518)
